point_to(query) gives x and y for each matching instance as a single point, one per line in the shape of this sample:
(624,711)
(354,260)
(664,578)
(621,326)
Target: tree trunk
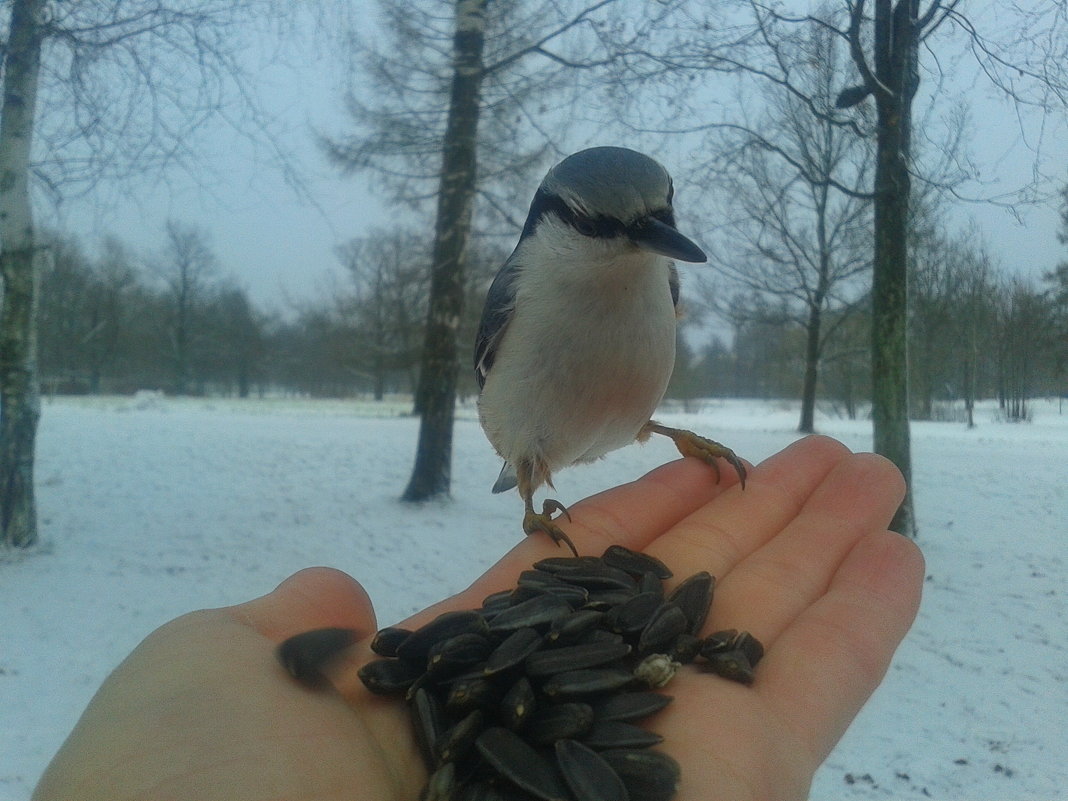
(895,61)
(20,399)
(812,359)
(436,393)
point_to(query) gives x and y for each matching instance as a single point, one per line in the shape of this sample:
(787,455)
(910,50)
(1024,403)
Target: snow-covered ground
(151,507)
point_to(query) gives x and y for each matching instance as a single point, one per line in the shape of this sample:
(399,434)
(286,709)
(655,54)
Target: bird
(576,343)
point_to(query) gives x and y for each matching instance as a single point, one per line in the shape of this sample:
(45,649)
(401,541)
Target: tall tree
(20,403)
(404,139)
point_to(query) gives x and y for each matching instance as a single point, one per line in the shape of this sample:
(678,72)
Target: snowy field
(153,507)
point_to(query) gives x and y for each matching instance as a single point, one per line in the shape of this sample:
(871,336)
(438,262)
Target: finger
(314,598)
(778,581)
(829,661)
(632,514)
(719,535)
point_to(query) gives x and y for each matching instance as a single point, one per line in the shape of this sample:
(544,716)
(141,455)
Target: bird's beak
(657,237)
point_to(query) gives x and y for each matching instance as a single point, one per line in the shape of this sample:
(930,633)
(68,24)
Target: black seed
(589,777)
(389,676)
(575,596)
(694,597)
(602,635)
(667,623)
(457,654)
(750,646)
(496,603)
(429,724)
(516,647)
(441,784)
(520,764)
(574,657)
(604,734)
(630,706)
(417,647)
(468,694)
(387,640)
(540,610)
(605,600)
(574,626)
(457,741)
(601,577)
(306,655)
(557,721)
(518,704)
(634,614)
(582,682)
(731,665)
(717,642)
(650,582)
(648,775)
(685,648)
(476,790)
(635,562)
(561,564)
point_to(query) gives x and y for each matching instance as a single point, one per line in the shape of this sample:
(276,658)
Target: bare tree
(789,234)
(188,267)
(124,85)
(491,129)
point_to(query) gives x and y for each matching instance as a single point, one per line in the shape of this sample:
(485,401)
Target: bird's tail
(506,480)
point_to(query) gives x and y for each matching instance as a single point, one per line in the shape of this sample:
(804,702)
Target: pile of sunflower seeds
(536,695)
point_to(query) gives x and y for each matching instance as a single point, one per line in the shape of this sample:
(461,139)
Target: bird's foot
(707,450)
(543,522)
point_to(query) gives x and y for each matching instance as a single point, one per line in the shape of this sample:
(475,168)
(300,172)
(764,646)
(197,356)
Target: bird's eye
(585,226)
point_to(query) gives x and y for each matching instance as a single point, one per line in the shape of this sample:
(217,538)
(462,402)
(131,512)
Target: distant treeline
(113,323)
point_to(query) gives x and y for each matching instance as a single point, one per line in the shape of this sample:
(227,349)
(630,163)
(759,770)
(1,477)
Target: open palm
(803,560)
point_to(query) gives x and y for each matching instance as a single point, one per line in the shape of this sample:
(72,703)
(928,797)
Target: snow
(151,507)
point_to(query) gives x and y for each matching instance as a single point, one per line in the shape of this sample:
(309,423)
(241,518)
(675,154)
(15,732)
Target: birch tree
(92,89)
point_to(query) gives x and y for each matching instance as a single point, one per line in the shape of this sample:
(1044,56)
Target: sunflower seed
(634,614)
(731,665)
(440,785)
(555,722)
(469,694)
(650,582)
(718,641)
(418,644)
(457,741)
(630,706)
(388,676)
(685,648)
(648,775)
(604,734)
(429,725)
(518,704)
(750,646)
(516,647)
(387,640)
(582,682)
(666,623)
(635,562)
(457,654)
(589,777)
(694,597)
(600,577)
(573,626)
(574,657)
(306,655)
(561,564)
(540,610)
(520,764)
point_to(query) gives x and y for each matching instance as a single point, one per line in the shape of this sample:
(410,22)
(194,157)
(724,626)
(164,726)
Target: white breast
(587,356)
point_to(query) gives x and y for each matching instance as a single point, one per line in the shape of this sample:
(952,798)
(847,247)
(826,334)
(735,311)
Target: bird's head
(614,195)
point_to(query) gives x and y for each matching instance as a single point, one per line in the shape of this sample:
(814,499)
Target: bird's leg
(691,444)
(543,521)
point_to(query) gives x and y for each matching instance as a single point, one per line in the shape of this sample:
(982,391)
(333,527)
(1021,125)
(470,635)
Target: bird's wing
(496,314)
(673,285)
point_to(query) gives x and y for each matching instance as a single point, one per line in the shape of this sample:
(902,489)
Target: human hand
(202,710)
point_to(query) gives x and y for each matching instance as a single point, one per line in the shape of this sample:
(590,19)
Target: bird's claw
(543,522)
(707,450)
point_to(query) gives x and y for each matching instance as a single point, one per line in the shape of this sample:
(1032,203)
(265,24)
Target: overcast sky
(280,247)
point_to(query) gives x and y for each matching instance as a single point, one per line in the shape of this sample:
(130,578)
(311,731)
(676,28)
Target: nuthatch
(577,338)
